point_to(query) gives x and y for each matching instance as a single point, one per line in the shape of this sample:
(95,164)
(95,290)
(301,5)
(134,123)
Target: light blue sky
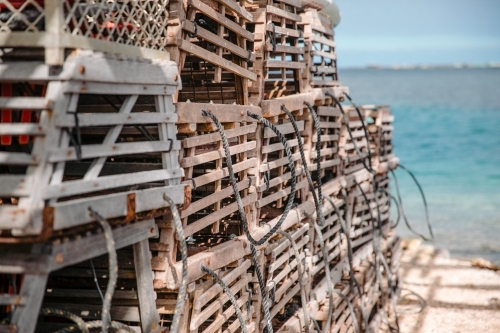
(391,32)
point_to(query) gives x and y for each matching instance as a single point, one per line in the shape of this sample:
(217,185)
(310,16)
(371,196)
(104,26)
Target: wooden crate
(35,28)
(320,56)
(87,144)
(212,46)
(282,276)
(279,49)
(352,162)
(211,216)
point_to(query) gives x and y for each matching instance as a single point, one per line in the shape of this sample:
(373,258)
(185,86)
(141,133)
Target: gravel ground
(455,296)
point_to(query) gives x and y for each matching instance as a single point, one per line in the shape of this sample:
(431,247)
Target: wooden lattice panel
(320,55)
(386,136)
(111,147)
(352,162)
(137,28)
(282,276)
(341,318)
(212,46)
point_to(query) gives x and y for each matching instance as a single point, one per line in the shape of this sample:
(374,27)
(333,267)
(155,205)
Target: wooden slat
(74,187)
(191,112)
(219,174)
(283,31)
(285,49)
(213,137)
(322,40)
(20,103)
(126,148)
(15,185)
(286,128)
(280,194)
(109,119)
(221,19)
(277,163)
(22,129)
(213,38)
(17,159)
(293,3)
(284,64)
(324,54)
(75,212)
(283,13)
(213,155)
(326,137)
(323,70)
(329,111)
(233,5)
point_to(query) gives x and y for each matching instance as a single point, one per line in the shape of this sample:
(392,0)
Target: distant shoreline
(424,67)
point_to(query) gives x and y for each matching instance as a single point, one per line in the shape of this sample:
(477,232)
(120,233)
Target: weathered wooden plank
(71,213)
(283,31)
(286,128)
(326,137)
(74,187)
(284,64)
(322,40)
(22,129)
(117,149)
(15,185)
(219,174)
(233,5)
(109,119)
(329,111)
(7,158)
(22,103)
(279,146)
(323,70)
(226,113)
(283,13)
(277,163)
(221,19)
(284,49)
(213,155)
(213,137)
(279,194)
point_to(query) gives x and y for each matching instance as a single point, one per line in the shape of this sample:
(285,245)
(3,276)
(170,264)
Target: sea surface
(447,131)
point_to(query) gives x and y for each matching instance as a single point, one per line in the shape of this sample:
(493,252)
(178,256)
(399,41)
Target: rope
(80,323)
(318,149)
(263,292)
(319,213)
(397,206)
(113,269)
(423,199)
(402,208)
(346,120)
(229,294)
(96,281)
(303,297)
(181,297)
(233,179)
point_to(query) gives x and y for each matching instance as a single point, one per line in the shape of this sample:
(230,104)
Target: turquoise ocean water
(447,131)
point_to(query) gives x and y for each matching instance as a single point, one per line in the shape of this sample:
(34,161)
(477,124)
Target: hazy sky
(418,32)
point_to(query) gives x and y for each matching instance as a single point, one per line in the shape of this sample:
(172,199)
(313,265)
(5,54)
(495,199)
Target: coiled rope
(181,297)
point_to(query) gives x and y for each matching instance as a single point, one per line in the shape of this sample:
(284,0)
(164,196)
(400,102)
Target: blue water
(447,131)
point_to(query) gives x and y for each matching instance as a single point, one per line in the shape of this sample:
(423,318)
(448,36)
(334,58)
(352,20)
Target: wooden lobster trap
(208,308)
(352,160)
(35,28)
(320,56)
(98,137)
(279,49)
(283,281)
(212,45)
(210,215)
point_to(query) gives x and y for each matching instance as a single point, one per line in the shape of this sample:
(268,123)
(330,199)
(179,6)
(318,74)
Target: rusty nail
(176,77)
(81,69)
(242,113)
(59,258)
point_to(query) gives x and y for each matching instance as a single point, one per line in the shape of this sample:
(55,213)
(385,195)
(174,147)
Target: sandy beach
(457,295)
